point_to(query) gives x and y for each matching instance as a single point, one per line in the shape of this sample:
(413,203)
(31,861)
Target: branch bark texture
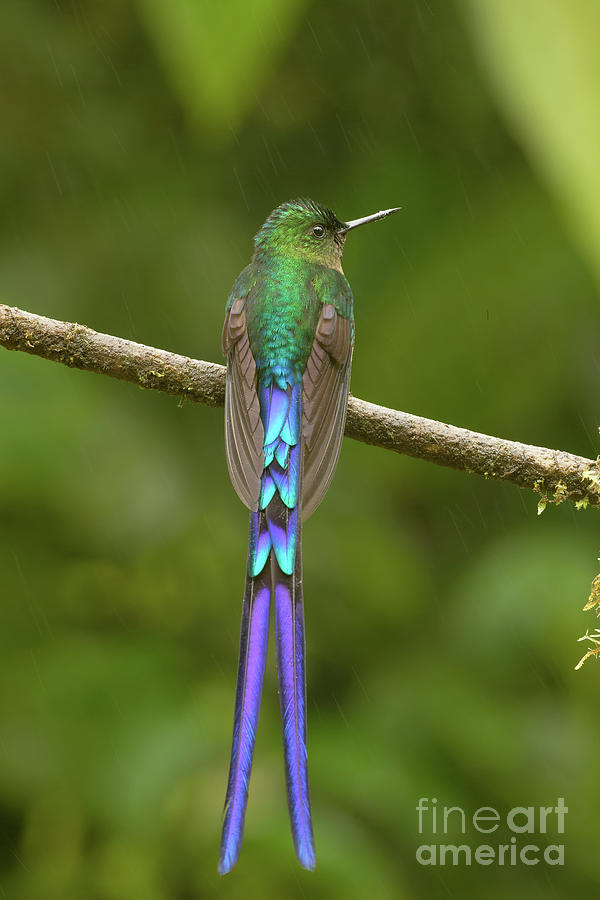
(553,474)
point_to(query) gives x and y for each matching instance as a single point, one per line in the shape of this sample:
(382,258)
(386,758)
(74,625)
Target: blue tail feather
(274,408)
(287,479)
(283,525)
(259,543)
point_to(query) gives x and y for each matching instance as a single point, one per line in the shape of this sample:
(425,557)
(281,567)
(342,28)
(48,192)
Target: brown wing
(324,399)
(244,432)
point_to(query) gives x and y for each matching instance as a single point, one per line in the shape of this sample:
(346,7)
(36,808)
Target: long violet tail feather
(251,668)
(289,636)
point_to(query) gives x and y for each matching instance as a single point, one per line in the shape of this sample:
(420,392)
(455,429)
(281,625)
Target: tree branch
(553,474)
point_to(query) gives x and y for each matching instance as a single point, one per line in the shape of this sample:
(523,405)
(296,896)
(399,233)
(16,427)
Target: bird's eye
(318,231)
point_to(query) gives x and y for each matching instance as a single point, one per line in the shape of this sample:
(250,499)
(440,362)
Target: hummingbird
(288,337)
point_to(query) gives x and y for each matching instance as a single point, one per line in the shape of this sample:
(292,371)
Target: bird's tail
(274,566)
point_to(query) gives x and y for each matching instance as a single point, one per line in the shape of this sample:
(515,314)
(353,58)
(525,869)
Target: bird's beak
(354,223)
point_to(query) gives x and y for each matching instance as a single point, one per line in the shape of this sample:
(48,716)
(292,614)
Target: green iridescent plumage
(288,336)
(293,273)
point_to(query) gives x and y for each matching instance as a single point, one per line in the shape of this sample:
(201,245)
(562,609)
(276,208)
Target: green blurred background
(143,143)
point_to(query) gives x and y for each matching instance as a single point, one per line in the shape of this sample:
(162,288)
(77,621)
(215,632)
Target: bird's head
(305,229)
